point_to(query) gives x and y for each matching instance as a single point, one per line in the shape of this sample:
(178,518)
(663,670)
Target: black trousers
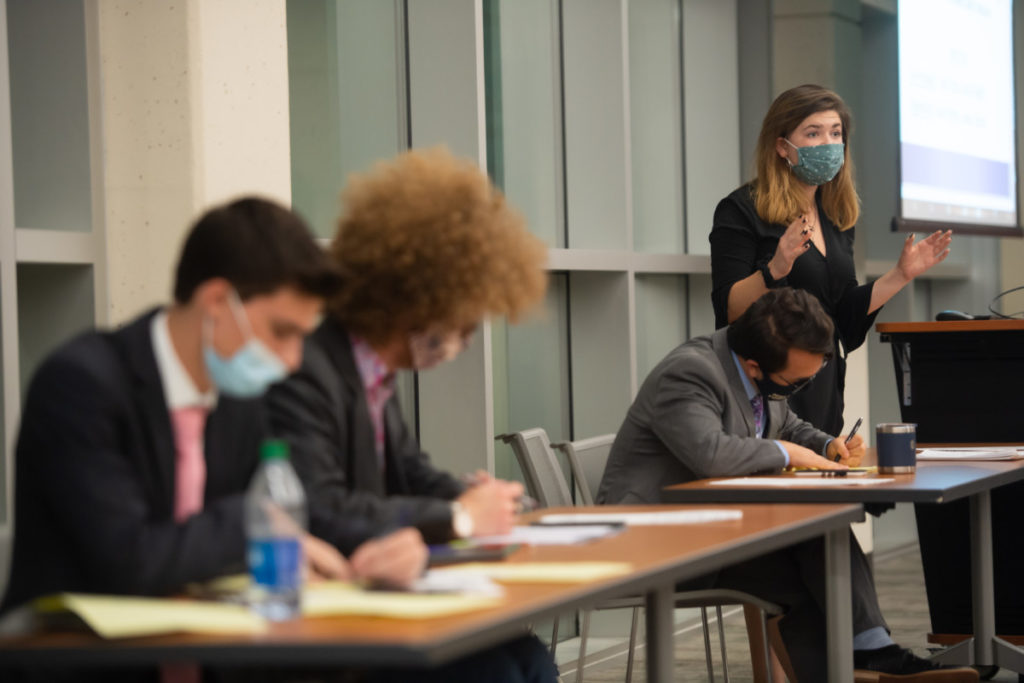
(794,578)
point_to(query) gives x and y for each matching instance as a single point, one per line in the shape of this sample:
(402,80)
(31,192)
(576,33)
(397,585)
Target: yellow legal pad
(543,572)
(115,616)
(331,598)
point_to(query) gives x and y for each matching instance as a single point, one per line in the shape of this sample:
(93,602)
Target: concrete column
(194,111)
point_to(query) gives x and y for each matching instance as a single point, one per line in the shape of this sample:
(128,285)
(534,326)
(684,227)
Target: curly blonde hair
(426,239)
(777,194)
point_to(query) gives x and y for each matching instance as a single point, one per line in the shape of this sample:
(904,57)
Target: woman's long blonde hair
(778,196)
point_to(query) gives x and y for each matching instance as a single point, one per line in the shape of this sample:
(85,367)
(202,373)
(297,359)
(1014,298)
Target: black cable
(999,296)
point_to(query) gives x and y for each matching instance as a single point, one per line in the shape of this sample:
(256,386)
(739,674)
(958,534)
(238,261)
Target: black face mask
(773,391)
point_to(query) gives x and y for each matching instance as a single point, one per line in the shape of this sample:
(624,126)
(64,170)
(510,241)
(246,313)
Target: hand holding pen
(852,447)
(492,503)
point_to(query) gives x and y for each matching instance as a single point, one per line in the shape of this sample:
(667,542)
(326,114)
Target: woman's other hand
(916,259)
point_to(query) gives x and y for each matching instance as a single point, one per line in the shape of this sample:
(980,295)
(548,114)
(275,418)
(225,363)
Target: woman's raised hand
(916,259)
(793,243)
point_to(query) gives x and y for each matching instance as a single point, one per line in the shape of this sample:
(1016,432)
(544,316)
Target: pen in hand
(471,479)
(849,437)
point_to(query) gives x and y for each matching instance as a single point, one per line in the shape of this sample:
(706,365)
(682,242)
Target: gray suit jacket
(692,420)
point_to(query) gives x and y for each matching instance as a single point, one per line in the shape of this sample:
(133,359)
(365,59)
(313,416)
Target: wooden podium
(957,381)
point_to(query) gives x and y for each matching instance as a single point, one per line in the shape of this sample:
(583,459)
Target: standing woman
(793,226)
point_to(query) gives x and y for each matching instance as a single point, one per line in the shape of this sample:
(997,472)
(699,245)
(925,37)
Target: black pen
(856,426)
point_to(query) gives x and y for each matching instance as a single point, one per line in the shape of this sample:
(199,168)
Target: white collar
(179,389)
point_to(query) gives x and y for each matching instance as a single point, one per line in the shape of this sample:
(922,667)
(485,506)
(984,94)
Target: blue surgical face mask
(817,164)
(250,370)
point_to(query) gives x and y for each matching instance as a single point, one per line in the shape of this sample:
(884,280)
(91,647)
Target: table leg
(837,599)
(988,649)
(982,582)
(660,631)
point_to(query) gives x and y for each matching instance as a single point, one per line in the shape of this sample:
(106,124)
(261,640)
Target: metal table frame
(934,482)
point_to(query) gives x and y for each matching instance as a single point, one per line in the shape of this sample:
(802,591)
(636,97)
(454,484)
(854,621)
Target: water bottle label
(276,563)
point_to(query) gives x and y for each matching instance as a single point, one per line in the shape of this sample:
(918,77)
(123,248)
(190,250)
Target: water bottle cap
(274,449)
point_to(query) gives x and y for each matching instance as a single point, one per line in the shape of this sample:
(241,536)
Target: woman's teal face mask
(817,164)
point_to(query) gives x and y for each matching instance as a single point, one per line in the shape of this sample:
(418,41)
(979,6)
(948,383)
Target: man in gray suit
(715,407)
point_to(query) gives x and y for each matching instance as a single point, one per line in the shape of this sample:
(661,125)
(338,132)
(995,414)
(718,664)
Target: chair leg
(707,644)
(779,648)
(554,638)
(721,643)
(757,636)
(584,631)
(778,672)
(632,644)
(774,669)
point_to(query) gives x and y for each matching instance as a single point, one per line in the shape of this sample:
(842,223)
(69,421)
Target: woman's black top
(741,242)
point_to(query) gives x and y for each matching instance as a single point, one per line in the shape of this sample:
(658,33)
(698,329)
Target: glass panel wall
(661,312)
(524,128)
(346,86)
(49,114)
(655,100)
(55,302)
(531,373)
(594,91)
(347,108)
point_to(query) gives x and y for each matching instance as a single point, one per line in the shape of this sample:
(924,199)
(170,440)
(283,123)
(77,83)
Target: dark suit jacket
(95,471)
(692,420)
(322,411)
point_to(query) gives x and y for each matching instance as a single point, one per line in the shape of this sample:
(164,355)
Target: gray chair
(546,481)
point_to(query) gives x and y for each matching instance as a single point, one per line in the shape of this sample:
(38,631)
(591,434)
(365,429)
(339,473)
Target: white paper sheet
(802,482)
(645,518)
(549,535)
(988,453)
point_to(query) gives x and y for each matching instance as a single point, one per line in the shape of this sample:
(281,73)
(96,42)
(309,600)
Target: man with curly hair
(427,248)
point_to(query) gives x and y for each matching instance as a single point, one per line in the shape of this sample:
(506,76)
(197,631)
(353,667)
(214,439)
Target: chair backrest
(544,477)
(587,458)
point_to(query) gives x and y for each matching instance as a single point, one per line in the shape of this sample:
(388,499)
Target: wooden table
(661,557)
(934,482)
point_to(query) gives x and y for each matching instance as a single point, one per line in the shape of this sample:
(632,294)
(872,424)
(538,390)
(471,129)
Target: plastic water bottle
(275,520)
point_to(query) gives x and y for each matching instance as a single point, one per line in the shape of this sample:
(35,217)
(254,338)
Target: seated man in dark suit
(137,445)
(427,248)
(715,407)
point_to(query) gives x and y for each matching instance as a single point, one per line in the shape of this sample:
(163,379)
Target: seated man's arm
(688,416)
(802,433)
(78,426)
(491,503)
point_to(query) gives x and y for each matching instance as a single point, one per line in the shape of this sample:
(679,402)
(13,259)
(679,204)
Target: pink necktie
(189,487)
(190,465)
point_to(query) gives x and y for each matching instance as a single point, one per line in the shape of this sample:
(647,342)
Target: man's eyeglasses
(801,383)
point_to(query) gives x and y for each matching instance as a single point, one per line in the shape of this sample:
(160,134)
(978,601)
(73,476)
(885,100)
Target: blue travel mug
(896,444)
